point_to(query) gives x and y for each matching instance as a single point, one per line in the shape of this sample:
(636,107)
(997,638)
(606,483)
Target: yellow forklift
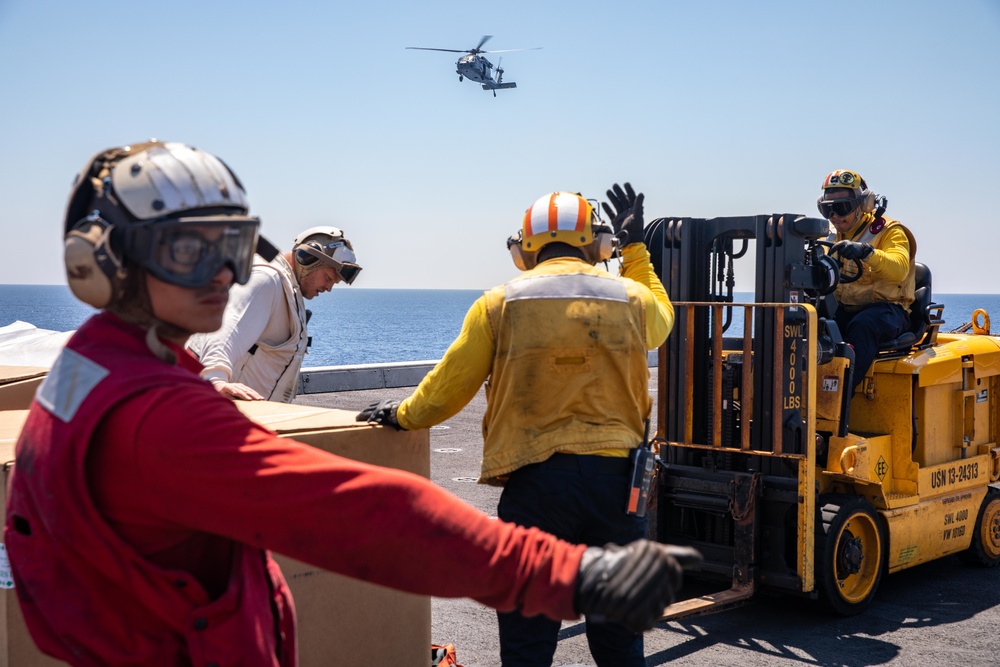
(766,463)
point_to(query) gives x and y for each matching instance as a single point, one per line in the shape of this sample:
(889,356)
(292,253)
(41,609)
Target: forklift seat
(925,317)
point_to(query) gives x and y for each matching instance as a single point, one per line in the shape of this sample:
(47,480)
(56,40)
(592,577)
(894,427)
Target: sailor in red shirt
(143,503)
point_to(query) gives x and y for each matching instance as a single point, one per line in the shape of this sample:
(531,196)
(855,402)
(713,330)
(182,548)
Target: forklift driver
(875,307)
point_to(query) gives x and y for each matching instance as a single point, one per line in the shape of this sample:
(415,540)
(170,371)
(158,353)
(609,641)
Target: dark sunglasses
(839,207)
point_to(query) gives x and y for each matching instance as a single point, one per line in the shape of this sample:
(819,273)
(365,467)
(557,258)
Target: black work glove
(383,412)
(625,211)
(631,585)
(852,250)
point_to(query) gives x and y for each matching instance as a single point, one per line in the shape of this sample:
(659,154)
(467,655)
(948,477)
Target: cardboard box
(340,620)
(18,385)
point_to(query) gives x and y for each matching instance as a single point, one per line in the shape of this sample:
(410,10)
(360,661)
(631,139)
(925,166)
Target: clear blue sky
(712,108)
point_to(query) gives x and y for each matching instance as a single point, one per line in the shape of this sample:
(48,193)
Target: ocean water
(348,326)
(363,326)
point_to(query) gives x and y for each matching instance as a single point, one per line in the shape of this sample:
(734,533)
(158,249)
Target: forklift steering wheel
(844,279)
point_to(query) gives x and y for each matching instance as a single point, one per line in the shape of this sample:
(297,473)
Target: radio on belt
(643,463)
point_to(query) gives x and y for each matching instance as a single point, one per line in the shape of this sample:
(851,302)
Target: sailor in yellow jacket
(562,349)
(876,307)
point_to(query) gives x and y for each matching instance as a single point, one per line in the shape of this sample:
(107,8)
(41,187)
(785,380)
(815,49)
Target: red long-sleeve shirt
(179,474)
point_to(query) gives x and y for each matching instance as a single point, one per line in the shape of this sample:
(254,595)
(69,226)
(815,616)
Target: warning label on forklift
(831,382)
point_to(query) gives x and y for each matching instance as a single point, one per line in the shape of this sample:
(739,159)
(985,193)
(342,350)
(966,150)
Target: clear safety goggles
(189,252)
(336,253)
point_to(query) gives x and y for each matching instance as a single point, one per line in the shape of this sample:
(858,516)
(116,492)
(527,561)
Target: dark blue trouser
(864,329)
(580,499)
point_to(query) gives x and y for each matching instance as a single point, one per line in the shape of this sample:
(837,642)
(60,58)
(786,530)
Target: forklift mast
(737,436)
(694,259)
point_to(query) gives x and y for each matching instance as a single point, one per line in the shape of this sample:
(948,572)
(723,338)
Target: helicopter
(475,67)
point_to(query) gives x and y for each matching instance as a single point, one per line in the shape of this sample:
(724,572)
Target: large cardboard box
(18,385)
(340,621)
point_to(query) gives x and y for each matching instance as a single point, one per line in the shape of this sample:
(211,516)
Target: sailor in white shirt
(257,352)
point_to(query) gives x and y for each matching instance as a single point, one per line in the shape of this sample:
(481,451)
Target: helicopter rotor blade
(533,48)
(481,42)
(424,48)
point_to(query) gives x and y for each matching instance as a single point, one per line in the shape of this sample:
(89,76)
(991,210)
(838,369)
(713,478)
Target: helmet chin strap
(156,346)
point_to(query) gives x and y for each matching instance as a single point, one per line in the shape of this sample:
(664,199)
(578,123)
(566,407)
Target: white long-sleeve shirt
(263,337)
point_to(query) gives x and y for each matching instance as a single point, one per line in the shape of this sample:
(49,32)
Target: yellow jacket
(574,378)
(888,273)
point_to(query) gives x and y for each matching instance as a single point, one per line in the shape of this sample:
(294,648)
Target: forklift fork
(743,510)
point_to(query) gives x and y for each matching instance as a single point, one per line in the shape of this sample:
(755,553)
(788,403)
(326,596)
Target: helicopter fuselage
(475,68)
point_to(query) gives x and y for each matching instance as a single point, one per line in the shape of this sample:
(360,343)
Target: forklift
(768,465)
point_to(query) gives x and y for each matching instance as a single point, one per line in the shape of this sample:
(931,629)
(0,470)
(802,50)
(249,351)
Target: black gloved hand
(631,585)
(852,250)
(383,412)
(625,212)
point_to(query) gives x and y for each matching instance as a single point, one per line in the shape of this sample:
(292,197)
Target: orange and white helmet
(845,179)
(561,217)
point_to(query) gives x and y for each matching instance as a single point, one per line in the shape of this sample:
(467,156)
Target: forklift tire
(850,550)
(985,547)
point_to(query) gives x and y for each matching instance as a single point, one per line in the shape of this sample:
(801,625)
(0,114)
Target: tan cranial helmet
(325,246)
(174,211)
